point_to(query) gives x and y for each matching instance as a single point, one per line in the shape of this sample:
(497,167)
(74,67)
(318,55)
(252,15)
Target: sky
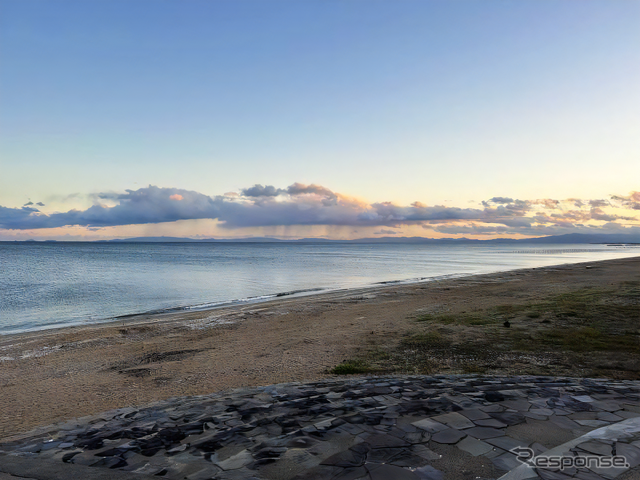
(338,119)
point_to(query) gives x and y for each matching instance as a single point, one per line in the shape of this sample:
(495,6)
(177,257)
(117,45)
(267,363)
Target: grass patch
(573,333)
(350,367)
(424,338)
(588,339)
(461,319)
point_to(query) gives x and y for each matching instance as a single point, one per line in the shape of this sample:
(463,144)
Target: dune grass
(586,332)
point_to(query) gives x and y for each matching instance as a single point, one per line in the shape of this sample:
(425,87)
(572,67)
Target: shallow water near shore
(53,285)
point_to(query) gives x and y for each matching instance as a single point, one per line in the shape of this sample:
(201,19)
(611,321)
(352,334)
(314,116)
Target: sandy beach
(53,375)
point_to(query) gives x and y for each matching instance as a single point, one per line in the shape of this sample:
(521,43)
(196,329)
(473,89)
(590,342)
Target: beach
(58,374)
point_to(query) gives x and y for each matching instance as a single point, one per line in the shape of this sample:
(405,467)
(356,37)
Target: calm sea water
(51,285)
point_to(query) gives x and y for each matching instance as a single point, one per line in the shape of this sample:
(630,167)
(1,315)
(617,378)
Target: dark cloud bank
(263,206)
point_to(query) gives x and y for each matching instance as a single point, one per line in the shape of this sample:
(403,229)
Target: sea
(47,285)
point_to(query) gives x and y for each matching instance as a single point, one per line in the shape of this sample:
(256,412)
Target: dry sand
(53,375)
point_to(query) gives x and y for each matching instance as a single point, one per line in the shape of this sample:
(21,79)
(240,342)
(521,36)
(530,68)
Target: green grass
(590,331)
(609,311)
(586,339)
(461,318)
(570,333)
(350,367)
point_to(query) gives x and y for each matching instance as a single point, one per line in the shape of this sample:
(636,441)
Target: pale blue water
(50,285)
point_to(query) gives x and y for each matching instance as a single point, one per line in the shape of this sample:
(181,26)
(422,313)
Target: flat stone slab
(454,420)
(391,427)
(448,436)
(430,425)
(483,433)
(474,446)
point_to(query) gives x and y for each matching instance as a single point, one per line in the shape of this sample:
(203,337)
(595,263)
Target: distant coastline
(608,239)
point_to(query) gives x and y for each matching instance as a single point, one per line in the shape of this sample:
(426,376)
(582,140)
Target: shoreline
(253,301)
(64,373)
(270,297)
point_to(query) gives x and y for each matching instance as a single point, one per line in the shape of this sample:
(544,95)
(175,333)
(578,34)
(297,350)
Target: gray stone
(562,411)
(492,408)
(236,461)
(510,418)
(429,425)
(582,398)
(520,404)
(535,416)
(483,433)
(206,473)
(608,417)
(490,422)
(474,446)
(542,411)
(596,447)
(549,475)
(454,420)
(564,422)
(606,405)
(474,414)
(631,453)
(586,475)
(608,472)
(351,473)
(384,441)
(428,473)
(407,459)
(627,414)
(389,472)
(449,436)
(348,458)
(506,461)
(416,437)
(592,423)
(507,443)
(585,415)
(425,453)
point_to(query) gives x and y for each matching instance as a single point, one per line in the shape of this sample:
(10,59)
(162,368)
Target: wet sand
(49,376)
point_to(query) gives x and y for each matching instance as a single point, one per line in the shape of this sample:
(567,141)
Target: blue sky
(444,103)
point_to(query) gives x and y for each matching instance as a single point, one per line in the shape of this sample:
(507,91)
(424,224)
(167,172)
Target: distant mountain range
(568,238)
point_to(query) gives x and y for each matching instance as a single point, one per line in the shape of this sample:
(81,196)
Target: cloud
(40,204)
(328,197)
(598,214)
(316,205)
(631,201)
(497,200)
(537,230)
(259,191)
(383,231)
(547,203)
(146,205)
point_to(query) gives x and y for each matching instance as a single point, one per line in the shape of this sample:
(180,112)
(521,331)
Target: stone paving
(400,427)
